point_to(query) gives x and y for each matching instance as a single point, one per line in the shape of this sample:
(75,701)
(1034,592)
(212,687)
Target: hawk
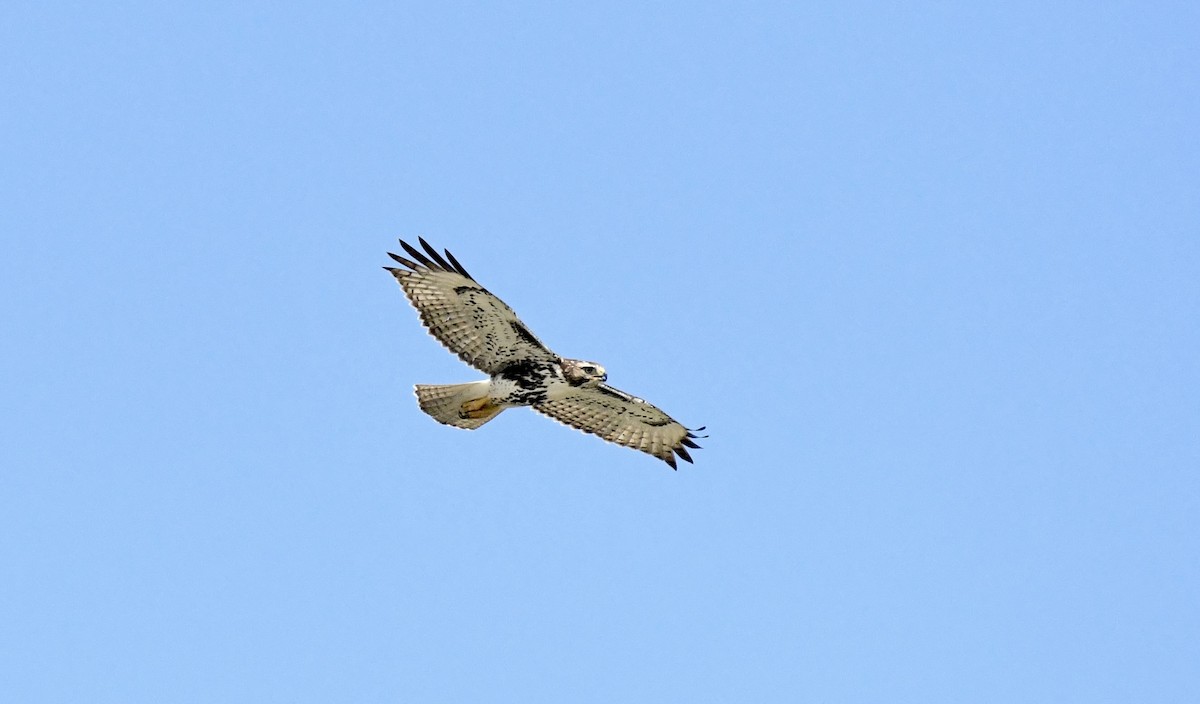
(486,334)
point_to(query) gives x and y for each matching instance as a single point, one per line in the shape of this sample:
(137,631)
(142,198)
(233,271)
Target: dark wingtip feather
(684,454)
(434,253)
(416,254)
(402,260)
(458,267)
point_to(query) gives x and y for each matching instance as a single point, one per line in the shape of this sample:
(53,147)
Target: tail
(461,405)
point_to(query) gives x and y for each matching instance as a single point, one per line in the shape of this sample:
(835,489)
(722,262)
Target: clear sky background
(930,275)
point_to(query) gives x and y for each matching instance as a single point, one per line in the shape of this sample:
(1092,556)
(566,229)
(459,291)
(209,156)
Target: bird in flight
(522,371)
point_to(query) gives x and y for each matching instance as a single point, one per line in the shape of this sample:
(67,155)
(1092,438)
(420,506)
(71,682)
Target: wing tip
(430,259)
(418,255)
(458,267)
(445,266)
(405,262)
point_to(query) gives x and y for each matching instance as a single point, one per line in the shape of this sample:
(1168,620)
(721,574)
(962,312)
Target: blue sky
(930,275)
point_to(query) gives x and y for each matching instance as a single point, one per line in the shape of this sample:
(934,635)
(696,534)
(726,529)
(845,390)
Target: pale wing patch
(622,419)
(464,316)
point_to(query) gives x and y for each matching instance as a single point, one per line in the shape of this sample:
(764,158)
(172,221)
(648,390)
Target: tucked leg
(477,408)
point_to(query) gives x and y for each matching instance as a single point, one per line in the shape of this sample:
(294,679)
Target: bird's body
(485,333)
(518,384)
(528,384)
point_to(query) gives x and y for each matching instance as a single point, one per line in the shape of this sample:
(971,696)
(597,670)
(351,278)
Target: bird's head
(581,373)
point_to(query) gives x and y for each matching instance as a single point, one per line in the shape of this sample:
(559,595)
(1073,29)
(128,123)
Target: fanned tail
(461,405)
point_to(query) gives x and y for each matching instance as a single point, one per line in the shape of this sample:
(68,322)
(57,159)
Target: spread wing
(624,419)
(461,314)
